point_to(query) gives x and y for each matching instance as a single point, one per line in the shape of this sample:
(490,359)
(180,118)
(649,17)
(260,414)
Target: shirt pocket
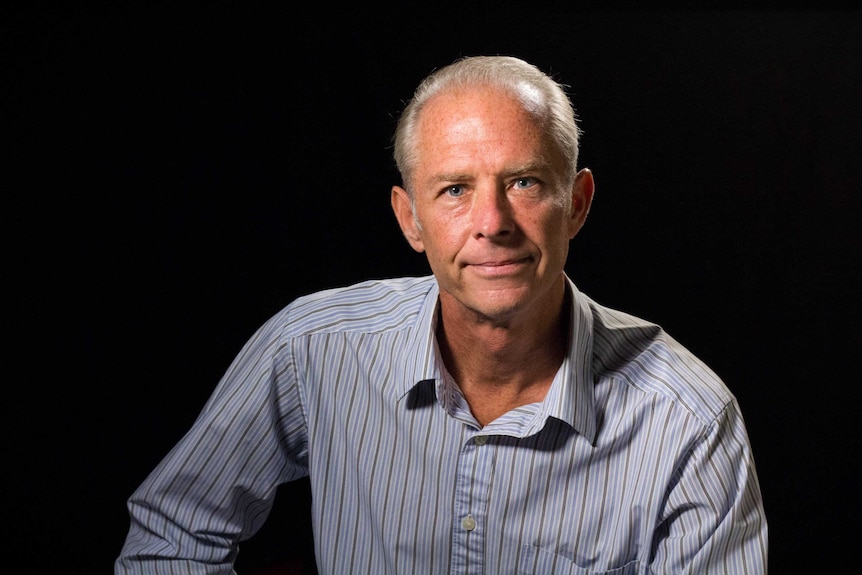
(536,561)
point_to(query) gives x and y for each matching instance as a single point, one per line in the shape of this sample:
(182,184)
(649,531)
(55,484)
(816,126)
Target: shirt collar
(419,361)
(570,398)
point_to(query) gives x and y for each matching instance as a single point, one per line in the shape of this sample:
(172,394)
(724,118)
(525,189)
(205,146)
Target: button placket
(475,469)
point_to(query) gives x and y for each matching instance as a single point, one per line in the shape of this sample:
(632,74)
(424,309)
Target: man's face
(491,212)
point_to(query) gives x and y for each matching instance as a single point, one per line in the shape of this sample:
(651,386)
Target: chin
(499,306)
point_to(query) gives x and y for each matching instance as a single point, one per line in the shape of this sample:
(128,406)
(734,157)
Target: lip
(501,267)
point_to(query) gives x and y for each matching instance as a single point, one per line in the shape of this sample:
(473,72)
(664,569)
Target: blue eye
(524,183)
(455,191)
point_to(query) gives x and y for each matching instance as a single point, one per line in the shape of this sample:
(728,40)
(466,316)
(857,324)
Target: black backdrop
(176,173)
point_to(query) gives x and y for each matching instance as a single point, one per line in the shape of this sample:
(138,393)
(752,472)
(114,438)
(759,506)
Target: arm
(216,486)
(714,520)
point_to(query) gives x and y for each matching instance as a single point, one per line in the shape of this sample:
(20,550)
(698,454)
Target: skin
(490,216)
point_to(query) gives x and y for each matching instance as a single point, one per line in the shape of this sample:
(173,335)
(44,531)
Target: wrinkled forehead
(464,132)
(484,99)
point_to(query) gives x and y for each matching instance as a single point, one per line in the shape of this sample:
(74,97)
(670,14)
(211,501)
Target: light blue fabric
(637,461)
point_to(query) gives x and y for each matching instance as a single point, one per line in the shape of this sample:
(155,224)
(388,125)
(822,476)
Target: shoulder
(368,306)
(642,355)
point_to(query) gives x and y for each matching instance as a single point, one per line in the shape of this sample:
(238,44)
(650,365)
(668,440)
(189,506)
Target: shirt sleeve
(713,520)
(216,486)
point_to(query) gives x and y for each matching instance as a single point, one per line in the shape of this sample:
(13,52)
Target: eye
(524,183)
(455,191)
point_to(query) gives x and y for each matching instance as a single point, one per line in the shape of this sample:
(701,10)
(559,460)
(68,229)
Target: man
(487,419)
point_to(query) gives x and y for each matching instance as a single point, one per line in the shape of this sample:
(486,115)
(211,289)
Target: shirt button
(468,523)
(480,439)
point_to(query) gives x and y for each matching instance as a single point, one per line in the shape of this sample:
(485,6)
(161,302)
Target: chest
(421,485)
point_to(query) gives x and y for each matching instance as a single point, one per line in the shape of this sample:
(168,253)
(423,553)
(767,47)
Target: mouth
(501,268)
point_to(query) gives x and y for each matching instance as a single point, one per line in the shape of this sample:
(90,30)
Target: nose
(492,212)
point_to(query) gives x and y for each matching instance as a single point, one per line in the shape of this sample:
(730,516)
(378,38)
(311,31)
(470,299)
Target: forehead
(474,108)
(479,123)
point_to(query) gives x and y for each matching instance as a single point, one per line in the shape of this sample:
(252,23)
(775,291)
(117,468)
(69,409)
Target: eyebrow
(539,166)
(522,169)
(452,177)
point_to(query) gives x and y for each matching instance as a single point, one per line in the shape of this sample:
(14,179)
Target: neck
(502,365)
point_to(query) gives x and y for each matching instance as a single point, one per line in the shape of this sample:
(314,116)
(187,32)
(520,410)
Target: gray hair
(540,95)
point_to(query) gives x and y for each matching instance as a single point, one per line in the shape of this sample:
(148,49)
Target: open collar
(570,397)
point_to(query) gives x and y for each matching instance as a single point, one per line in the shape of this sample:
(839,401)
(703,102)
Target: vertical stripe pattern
(636,462)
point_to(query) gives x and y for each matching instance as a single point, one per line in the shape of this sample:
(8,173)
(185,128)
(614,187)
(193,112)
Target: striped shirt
(637,461)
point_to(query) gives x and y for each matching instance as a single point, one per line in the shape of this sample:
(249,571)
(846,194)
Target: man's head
(488,153)
(542,96)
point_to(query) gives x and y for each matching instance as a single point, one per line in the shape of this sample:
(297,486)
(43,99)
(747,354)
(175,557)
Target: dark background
(175,173)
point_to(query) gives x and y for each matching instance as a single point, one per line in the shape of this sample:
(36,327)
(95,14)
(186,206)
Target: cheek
(551,234)
(444,234)
(542,224)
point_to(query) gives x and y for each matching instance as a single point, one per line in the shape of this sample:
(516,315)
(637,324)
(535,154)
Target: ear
(582,199)
(404,213)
